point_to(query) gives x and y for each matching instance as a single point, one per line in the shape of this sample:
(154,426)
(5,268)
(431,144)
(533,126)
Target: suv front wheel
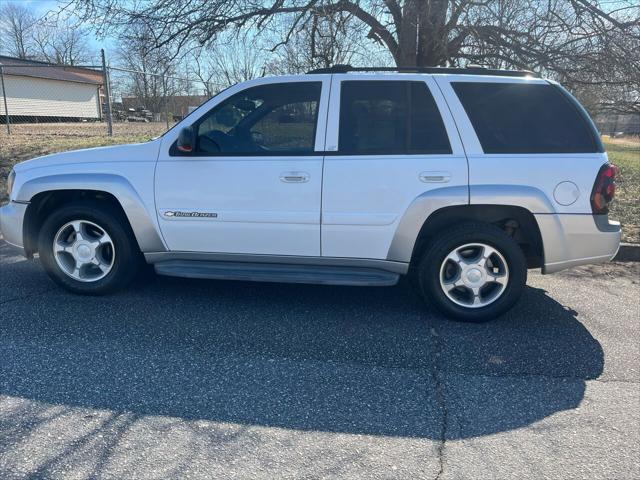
(88,248)
(473,272)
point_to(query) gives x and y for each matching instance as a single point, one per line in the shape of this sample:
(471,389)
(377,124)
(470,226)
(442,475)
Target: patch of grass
(625,154)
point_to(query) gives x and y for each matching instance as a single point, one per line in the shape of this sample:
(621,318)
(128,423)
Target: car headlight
(10,179)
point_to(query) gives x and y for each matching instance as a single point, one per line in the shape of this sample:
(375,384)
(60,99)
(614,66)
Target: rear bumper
(575,239)
(11,221)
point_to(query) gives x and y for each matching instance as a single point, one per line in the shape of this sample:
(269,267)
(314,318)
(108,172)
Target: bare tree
(235,65)
(228,60)
(60,41)
(16,25)
(561,37)
(416,32)
(57,40)
(147,68)
(325,41)
(203,67)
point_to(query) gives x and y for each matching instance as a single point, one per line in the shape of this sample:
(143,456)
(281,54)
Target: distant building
(41,92)
(178,106)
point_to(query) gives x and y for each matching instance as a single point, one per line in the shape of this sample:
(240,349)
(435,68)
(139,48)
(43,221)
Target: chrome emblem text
(175,214)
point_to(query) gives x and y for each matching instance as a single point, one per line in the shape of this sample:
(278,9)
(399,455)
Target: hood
(137,152)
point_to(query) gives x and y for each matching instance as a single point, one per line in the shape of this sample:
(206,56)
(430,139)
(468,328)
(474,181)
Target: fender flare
(530,198)
(415,216)
(142,223)
(425,205)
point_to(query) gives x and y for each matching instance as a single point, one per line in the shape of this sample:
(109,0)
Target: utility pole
(107,93)
(166,100)
(4,95)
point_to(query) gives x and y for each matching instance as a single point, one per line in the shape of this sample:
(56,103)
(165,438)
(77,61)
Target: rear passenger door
(388,142)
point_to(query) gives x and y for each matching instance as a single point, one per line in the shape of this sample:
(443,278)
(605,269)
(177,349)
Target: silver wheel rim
(84,251)
(474,275)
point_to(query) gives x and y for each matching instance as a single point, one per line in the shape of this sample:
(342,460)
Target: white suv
(460,178)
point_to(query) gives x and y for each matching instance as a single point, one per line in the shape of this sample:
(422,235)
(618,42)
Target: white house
(37,91)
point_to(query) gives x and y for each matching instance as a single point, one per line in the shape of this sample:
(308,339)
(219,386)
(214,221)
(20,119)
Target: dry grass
(85,129)
(625,153)
(33,140)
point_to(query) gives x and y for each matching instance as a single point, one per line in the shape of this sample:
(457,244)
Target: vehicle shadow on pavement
(314,358)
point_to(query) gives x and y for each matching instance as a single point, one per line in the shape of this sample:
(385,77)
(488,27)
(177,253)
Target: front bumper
(11,224)
(576,239)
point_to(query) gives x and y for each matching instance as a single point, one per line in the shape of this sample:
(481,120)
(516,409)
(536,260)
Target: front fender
(141,221)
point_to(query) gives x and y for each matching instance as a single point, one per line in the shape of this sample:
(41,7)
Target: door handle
(435,177)
(294,177)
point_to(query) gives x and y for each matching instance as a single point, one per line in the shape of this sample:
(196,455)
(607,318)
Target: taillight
(604,189)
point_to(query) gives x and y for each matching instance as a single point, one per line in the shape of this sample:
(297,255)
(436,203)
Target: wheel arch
(513,208)
(518,222)
(46,193)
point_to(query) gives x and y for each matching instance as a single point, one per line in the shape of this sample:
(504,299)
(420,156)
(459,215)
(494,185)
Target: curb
(628,252)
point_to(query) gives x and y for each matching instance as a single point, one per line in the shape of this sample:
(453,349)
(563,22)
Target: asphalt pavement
(207,379)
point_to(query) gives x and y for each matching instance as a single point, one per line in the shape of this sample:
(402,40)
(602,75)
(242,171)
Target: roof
(65,73)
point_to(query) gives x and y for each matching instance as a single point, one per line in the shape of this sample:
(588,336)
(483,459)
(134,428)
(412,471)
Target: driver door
(253,183)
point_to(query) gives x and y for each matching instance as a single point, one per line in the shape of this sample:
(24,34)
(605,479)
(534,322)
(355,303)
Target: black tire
(468,233)
(126,261)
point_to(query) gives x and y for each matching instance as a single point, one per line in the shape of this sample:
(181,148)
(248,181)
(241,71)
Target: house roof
(32,68)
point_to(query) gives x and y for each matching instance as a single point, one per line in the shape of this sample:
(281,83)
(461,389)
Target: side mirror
(186,140)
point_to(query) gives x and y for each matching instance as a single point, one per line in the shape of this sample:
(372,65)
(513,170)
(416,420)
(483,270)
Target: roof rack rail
(472,70)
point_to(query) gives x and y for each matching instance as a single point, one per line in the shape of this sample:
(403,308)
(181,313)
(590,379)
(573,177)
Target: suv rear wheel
(88,248)
(473,272)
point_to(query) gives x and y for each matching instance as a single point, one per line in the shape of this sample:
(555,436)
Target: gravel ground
(202,379)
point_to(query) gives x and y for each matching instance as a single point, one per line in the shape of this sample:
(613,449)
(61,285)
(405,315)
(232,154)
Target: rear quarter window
(526,118)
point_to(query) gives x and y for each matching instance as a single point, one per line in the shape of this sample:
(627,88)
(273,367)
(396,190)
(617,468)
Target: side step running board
(273,272)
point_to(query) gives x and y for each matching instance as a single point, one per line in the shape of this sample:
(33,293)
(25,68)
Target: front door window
(275,119)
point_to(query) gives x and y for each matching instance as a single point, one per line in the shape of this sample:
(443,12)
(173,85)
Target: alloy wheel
(474,275)
(84,251)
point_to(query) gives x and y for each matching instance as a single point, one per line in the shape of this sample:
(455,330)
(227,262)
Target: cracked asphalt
(204,379)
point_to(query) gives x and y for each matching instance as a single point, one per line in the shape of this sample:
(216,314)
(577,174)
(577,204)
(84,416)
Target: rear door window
(390,117)
(525,118)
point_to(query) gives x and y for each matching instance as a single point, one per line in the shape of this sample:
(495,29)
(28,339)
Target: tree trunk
(408,35)
(422,35)
(432,35)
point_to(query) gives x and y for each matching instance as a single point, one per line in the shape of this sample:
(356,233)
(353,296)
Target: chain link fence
(42,99)
(617,125)
(157,100)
